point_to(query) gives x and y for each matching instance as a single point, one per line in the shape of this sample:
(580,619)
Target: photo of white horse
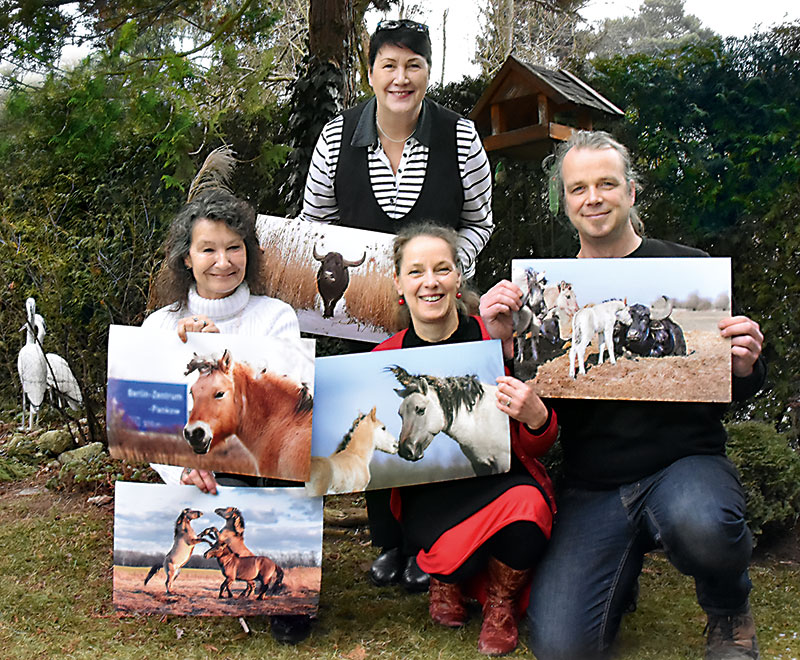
(459,406)
(642,329)
(437,404)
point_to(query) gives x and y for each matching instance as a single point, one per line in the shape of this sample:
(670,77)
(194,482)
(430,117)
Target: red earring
(458,295)
(401,301)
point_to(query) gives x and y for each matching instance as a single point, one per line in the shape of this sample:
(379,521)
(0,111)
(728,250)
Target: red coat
(527,446)
(464,539)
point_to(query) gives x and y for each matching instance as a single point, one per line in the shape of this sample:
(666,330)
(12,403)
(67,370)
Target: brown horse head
(233,517)
(215,414)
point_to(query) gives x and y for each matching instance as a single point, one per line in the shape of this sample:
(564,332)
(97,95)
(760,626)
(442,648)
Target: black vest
(440,199)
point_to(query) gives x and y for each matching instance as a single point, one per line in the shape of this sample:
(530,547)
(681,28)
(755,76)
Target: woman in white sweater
(209,276)
(211,279)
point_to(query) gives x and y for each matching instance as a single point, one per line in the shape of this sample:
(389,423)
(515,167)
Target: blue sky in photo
(639,280)
(276,519)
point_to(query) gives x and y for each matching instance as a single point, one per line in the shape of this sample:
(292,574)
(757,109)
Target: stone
(55,442)
(81,453)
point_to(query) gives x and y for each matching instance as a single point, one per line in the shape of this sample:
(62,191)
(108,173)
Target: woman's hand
(197,323)
(203,479)
(520,401)
(496,307)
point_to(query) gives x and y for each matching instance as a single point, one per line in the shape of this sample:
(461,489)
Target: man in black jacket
(638,475)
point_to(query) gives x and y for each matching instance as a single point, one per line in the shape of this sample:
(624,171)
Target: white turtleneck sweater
(237,314)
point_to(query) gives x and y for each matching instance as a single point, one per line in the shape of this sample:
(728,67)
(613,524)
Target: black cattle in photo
(333,278)
(651,332)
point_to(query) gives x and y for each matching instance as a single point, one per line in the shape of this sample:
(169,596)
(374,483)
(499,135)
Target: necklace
(386,135)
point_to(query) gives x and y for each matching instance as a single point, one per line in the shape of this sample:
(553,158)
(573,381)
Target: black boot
(290,628)
(387,568)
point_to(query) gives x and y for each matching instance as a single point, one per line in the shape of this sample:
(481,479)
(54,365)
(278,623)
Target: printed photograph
(338,279)
(245,551)
(636,329)
(410,416)
(230,403)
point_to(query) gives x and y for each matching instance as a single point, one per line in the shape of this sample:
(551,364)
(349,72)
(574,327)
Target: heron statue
(31,365)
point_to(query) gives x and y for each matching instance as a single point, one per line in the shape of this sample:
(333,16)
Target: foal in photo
(347,469)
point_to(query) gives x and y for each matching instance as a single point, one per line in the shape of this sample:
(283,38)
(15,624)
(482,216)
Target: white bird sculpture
(61,382)
(31,364)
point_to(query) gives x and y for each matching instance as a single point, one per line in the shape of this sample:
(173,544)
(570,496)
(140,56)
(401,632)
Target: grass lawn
(55,592)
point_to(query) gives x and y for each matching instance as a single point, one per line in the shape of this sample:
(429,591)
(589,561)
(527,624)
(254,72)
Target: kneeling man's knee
(706,540)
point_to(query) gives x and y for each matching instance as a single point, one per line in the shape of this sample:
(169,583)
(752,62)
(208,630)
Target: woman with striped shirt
(399,157)
(395,160)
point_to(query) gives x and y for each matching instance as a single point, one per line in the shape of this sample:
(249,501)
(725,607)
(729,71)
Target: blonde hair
(599,140)
(469,301)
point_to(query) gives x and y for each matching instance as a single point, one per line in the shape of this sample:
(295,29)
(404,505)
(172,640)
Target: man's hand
(746,342)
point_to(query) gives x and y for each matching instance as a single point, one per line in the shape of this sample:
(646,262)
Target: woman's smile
(217,258)
(429,281)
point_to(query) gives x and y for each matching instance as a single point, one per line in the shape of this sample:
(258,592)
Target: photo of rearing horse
(269,414)
(459,406)
(182,548)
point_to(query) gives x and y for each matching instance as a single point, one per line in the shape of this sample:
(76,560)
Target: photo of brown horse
(269,414)
(229,403)
(273,565)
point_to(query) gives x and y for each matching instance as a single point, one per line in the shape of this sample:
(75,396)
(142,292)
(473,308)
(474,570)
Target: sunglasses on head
(402,23)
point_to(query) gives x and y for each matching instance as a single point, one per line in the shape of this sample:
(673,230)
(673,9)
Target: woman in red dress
(476,537)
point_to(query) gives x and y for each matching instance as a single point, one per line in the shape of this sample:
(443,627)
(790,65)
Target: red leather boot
(499,633)
(447,604)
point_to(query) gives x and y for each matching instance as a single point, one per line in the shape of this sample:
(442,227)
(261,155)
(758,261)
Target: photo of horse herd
(665,349)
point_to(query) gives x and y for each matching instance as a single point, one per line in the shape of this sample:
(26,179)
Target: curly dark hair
(174,279)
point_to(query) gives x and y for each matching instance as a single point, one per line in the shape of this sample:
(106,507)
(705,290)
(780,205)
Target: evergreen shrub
(770,473)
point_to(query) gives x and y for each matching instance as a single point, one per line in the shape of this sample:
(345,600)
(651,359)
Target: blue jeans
(693,509)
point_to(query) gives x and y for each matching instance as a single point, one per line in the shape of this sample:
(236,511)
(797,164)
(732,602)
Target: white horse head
(422,419)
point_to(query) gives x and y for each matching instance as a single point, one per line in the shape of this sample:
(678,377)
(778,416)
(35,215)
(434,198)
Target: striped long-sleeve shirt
(397,193)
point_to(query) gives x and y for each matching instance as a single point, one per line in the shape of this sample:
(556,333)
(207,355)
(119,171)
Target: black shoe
(387,568)
(290,628)
(414,579)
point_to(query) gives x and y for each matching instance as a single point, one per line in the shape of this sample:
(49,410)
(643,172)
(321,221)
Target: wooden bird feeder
(526,107)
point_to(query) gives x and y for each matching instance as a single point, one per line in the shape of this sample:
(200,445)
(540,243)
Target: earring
(401,301)
(458,295)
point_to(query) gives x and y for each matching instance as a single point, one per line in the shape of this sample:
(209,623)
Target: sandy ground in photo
(702,375)
(195,593)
